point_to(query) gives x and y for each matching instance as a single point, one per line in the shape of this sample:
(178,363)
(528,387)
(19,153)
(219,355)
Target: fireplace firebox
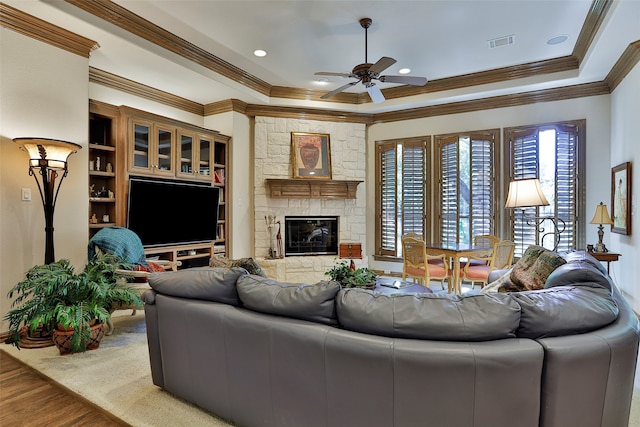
(311,235)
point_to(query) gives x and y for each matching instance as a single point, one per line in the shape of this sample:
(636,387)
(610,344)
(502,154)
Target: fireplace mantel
(311,188)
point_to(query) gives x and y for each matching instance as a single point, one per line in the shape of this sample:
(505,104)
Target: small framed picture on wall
(621,198)
(310,155)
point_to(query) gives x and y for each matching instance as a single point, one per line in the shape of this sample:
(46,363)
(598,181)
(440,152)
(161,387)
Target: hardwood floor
(28,398)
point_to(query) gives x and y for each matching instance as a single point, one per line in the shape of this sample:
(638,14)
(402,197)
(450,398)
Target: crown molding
(44,31)
(139,26)
(307,113)
(114,81)
(225,106)
(123,18)
(623,65)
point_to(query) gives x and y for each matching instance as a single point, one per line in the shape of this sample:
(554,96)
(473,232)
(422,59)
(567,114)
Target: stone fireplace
(272,160)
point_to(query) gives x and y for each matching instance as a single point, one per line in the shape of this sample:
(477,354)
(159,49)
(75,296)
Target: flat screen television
(169,213)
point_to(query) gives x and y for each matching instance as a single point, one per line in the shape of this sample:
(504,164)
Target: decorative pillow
(315,303)
(211,284)
(528,275)
(478,317)
(248,264)
(501,284)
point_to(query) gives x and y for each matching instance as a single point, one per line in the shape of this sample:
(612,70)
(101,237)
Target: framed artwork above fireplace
(310,155)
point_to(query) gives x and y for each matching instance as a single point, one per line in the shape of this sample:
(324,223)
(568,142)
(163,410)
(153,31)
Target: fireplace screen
(311,235)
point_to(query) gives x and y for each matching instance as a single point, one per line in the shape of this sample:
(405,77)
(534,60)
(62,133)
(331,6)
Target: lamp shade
(601,216)
(525,193)
(50,152)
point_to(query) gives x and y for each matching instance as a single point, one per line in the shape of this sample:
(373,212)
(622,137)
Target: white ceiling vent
(501,41)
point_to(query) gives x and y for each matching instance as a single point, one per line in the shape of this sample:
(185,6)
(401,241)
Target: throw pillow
(248,264)
(532,270)
(501,284)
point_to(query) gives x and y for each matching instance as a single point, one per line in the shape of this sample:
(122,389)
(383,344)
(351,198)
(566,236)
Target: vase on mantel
(310,154)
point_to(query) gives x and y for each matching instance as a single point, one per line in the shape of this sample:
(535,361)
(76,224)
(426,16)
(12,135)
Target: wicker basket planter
(62,339)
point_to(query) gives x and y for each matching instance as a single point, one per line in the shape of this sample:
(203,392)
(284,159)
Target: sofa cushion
(248,264)
(532,270)
(583,256)
(579,273)
(564,310)
(429,316)
(205,283)
(315,303)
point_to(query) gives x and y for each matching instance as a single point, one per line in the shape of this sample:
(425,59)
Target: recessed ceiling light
(557,39)
(321,81)
(260,53)
(404,70)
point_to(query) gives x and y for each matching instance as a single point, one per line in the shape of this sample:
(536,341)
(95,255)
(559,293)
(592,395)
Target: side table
(605,256)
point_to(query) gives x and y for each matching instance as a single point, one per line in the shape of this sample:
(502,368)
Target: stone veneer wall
(273,160)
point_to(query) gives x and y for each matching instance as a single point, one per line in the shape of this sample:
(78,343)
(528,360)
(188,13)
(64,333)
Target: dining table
(455,252)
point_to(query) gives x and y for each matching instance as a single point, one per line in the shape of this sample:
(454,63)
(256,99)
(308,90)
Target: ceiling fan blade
(408,80)
(340,89)
(375,93)
(328,73)
(382,64)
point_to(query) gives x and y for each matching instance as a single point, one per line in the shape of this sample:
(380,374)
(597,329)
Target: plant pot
(62,339)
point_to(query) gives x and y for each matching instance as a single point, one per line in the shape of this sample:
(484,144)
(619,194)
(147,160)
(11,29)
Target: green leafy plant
(53,295)
(357,278)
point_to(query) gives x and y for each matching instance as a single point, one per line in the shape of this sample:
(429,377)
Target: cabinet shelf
(102,200)
(104,174)
(102,147)
(102,225)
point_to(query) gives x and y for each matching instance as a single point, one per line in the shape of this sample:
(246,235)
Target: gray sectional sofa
(257,352)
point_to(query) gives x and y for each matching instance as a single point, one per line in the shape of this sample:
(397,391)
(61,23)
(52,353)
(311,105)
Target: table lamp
(600,217)
(525,193)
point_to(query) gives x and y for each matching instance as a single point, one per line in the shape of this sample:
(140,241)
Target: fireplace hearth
(311,235)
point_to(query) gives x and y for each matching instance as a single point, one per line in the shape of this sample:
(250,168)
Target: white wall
(43,93)
(625,115)
(594,109)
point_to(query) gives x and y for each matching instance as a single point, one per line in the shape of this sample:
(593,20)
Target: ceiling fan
(367,72)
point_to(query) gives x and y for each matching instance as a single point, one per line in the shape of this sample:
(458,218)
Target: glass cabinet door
(141,143)
(186,154)
(204,158)
(165,150)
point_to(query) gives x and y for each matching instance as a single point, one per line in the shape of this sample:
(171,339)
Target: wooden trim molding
(118,15)
(311,188)
(38,29)
(123,18)
(307,113)
(138,89)
(225,106)
(623,65)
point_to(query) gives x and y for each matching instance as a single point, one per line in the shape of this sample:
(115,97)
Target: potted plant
(72,306)
(350,277)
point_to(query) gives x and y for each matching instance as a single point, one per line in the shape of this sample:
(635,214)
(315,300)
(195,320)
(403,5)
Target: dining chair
(485,240)
(501,258)
(421,266)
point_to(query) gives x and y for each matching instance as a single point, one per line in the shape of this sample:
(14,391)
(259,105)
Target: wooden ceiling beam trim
(512,100)
(592,22)
(123,18)
(629,58)
(46,32)
(307,113)
(113,81)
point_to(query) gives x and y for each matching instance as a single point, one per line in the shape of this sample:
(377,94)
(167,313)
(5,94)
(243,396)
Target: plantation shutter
(566,184)
(482,185)
(524,149)
(387,185)
(467,191)
(401,192)
(449,190)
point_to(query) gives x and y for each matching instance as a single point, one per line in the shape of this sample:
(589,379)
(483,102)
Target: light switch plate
(26,194)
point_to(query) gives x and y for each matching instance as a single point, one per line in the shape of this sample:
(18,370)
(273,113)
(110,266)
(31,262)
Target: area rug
(117,377)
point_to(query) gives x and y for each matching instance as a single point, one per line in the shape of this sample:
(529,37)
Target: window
(401,192)
(554,154)
(467,192)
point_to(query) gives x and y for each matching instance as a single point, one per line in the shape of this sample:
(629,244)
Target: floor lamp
(48,158)
(525,193)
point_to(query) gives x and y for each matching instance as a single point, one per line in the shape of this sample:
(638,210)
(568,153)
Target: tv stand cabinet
(190,255)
